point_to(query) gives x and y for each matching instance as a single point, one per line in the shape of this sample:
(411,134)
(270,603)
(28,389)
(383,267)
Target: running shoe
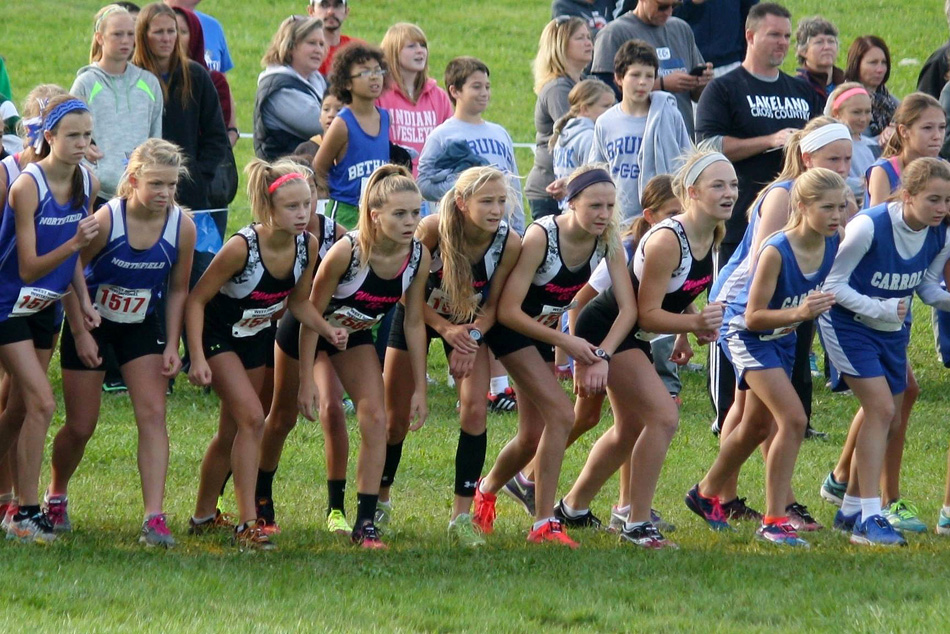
(661,523)
(252,537)
(114,387)
(845,523)
(876,531)
(801,519)
(55,509)
(220,522)
(813,366)
(648,536)
(707,508)
(903,516)
(521,491)
(551,531)
(813,434)
(585,520)
(35,528)
(737,510)
(4,509)
(943,524)
(563,373)
(7,518)
(265,511)
(505,401)
(348,406)
(618,519)
(483,515)
(780,534)
(383,516)
(833,491)
(366,536)
(462,532)
(155,532)
(337,524)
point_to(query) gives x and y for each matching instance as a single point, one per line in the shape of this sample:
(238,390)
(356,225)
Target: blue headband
(56,114)
(582,181)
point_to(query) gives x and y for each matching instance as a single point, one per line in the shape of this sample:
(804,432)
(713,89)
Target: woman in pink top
(415,102)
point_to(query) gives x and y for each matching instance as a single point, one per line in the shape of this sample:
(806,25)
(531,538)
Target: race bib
(123,305)
(440,302)
(32,300)
(254,320)
(551,315)
(351,319)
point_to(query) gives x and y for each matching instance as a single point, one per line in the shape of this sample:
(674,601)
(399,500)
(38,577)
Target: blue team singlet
(364,154)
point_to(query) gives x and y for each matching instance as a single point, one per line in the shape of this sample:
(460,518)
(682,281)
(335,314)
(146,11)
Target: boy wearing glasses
(358,139)
(683,72)
(466,139)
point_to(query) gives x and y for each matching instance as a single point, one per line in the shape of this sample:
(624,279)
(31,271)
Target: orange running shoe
(483,515)
(551,531)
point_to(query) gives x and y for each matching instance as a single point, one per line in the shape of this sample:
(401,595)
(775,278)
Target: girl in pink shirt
(415,102)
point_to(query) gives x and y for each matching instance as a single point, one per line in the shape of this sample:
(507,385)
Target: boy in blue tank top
(358,139)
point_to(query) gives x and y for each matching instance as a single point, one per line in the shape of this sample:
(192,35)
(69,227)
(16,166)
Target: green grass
(99,579)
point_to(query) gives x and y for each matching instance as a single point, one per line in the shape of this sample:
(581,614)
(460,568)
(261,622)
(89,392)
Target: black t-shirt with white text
(740,105)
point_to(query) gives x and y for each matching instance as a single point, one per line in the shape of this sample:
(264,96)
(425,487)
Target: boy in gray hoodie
(126,101)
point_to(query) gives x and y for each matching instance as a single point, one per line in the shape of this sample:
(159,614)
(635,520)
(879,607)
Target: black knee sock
(393,456)
(365,507)
(225,483)
(265,484)
(337,493)
(469,460)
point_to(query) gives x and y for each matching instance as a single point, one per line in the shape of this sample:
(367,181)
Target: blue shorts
(864,353)
(749,352)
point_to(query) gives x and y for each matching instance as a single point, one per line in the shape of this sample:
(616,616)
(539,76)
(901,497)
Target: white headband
(699,166)
(817,139)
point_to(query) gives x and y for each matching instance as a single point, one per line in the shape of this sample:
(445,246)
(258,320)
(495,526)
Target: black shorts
(40,328)
(254,352)
(502,341)
(361,338)
(397,332)
(127,341)
(593,324)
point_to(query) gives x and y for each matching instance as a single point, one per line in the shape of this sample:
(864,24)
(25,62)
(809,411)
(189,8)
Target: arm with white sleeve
(930,290)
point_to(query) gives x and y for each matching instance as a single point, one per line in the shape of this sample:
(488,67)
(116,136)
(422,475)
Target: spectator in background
(869,63)
(132,8)
(564,52)
(719,29)
(334,14)
(817,50)
(675,46)
(597,13)
(749,114)
(291,89)
(935,71)
(217,56)
(414,100)
(5,88)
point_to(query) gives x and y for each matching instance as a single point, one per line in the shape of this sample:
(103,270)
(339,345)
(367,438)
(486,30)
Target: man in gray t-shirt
(673,40)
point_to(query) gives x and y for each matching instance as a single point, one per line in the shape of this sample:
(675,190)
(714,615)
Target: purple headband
(582,181)
(56,114)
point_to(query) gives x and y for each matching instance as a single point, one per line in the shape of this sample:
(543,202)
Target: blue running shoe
(845,523)
(780,534)
(876,531)
(943,524)
(709,509)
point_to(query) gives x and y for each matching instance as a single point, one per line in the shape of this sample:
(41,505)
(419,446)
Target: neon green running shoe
(463,533)
(337,524)
(902,515)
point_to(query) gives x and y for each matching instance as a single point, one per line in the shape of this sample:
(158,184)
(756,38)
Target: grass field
(99,579)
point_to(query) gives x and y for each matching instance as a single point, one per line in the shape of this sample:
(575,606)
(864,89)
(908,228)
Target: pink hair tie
(284,179)
(847,94)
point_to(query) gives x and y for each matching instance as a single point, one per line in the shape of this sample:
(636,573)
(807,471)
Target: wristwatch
(600,353)
(476,335)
